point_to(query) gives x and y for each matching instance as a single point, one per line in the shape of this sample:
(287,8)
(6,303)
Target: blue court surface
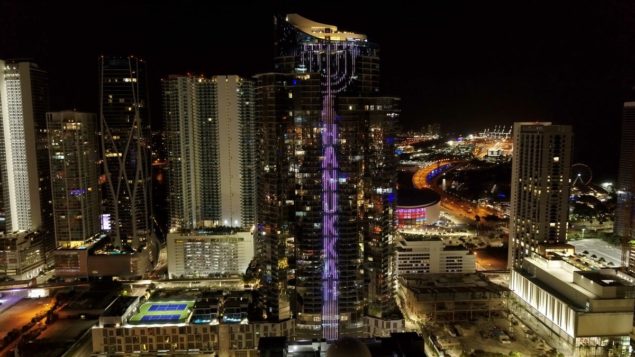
(160,317)
(172,307)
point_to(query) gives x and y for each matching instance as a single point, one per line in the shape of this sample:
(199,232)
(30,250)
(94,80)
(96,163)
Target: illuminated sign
(330,308)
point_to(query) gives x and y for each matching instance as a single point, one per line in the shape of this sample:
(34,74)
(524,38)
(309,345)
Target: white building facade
(582,308)
(430,256)
(201,253)
(211,150)
(19,114)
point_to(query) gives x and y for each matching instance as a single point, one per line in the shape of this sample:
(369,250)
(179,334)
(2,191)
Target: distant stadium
(417,208)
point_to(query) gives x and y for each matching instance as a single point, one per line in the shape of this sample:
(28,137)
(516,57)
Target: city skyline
(287,178)
(577,76)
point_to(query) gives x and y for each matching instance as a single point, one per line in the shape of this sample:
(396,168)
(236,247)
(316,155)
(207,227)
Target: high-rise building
(125,140)
(317,141)
(211,150)
(284,104)
(375,118)
(541,166)
(74,183)
(23,147)
(625,210)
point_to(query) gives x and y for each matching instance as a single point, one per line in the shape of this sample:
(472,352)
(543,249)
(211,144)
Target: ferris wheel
(581,174)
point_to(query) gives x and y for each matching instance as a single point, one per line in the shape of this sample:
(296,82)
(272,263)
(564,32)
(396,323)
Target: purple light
(330,307)
(78,192)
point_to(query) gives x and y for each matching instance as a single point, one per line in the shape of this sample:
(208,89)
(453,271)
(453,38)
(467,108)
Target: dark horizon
(466,67)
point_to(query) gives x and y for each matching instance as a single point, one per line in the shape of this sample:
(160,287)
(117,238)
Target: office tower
(125,139)
(374,120)
(624,214)
(74,183)
(327,162)
(23,147)
(211,150)
(541,166)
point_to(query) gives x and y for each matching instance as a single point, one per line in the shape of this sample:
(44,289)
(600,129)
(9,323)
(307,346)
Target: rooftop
(119,306)
(153,312)
(321,31)
(412,197)
(450,283)
(604,278)
(560,270)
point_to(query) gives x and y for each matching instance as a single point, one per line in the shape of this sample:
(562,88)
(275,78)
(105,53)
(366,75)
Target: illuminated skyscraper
(211,150)
(375,119)
(625,210)
(313,201)
(287,107)
(23,147)
(125,140)
(73,156)
(541,168)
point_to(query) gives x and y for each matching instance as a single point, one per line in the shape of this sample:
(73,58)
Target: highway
(427,178)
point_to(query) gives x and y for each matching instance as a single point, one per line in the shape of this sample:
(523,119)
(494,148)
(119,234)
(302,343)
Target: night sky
(464,66)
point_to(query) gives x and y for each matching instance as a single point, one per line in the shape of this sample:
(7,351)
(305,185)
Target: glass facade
(408,218)
(313,201)
(73,159)
(125,141)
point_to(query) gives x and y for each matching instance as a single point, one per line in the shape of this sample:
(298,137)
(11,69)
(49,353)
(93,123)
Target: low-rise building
(582,309)
(208,251)
(22,254)
(182,322)
(417,208)
(95,259)
(451,297)
(420,255)
(192,321)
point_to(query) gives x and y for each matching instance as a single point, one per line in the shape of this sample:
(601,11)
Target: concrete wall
(604,324)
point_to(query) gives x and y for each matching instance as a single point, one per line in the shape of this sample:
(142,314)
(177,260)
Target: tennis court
(147,318)
(170,307)
(163,311)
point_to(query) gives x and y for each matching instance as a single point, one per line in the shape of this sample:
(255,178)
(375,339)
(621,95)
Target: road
(22,312)
(452,204)
(19,315)
(83,346)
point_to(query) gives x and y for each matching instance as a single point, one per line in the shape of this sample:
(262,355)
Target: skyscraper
(376,119)
(125,139)
(625,210)
(541,166)
(211,150)
(320,185)
(73,157)
(23,147)
(285,102)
